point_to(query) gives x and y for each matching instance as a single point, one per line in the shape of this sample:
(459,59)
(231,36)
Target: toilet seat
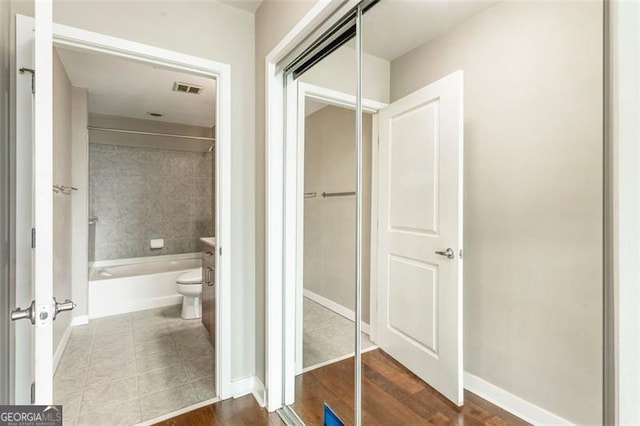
(194,276)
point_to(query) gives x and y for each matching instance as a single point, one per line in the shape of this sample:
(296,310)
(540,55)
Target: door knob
(29,313)
(58,307)
(448,252)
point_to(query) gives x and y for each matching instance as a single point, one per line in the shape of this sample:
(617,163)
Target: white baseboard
(513,404)
(57,356)
(242,387)
(249,385)
(80,320)
(259,392)
(335,307)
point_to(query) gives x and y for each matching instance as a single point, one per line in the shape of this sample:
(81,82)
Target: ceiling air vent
(187,88)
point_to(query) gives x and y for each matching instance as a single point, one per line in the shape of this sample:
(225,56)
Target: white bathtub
(128,285)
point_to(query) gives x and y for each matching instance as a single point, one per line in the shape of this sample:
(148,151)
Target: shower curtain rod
(136,132)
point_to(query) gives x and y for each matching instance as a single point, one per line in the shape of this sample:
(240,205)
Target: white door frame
(296,124)
(622,302)
(275,234)
(65,36)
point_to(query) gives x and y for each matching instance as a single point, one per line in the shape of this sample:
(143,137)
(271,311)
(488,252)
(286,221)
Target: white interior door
(420,214)
(33,351)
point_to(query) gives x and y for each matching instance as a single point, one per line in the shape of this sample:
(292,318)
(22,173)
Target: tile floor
(124,369)
(327,335)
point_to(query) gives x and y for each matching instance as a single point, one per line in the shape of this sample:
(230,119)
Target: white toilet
(189,285)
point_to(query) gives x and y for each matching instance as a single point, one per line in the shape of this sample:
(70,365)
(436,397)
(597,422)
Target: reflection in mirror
(491,143)
(325,335)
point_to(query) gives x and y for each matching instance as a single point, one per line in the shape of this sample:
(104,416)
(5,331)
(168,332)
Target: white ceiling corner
(248,5)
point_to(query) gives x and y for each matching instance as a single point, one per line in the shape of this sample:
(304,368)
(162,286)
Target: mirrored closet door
(448,214)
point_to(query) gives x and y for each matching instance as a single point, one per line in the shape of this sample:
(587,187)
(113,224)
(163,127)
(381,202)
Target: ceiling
(248,5)
(312,105)
(128,88)
(394,27)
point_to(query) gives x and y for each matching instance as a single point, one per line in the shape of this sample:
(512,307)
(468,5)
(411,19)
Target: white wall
(330,223)
(218,32)
(62,237)
(533,196)
(79,202)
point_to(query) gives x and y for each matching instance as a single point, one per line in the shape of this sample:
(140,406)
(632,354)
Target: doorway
(326,291)
(215,157)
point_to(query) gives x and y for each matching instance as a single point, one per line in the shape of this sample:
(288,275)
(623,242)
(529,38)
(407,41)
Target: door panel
(413,188)
(22,364)
(413,287)
(33,351)
(420,213)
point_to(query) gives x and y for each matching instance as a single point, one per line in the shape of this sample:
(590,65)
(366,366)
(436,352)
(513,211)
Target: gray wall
(140,194)
(533,196)
(62,216)
(5,25)
(329,223)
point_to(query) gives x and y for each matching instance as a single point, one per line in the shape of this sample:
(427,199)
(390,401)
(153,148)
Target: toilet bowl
(189,285)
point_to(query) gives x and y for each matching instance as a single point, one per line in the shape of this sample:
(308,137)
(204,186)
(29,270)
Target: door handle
(448,252)
(58,307)
(29,313)
(211,277)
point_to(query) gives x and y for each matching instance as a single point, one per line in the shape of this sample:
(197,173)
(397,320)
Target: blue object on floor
(331,418)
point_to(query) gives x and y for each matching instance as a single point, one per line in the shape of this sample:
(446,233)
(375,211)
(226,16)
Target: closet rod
(136,132)
(337,194)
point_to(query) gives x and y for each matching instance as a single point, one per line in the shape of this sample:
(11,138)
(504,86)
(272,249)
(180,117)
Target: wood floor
(391,396)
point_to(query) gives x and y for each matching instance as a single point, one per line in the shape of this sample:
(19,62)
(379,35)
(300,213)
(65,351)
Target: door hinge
(220,251)
(460,254)
(33,78)
(33,392)
(33,237)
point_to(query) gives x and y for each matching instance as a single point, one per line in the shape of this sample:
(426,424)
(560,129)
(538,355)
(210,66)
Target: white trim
(274,199)
(243,386)
(259,392)
(336,98)
(624,111)
(339,309)
(80,320)
(334,360)
(274,318)
(178,412)
(294,249)
(513,404)
(86,40)
(57,356)
(373,267)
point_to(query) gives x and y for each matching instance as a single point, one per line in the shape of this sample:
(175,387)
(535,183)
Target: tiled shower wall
(139,194)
